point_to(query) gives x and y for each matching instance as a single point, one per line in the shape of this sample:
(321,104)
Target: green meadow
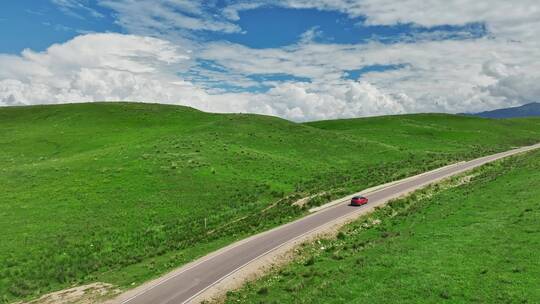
(123,192)
(473,239)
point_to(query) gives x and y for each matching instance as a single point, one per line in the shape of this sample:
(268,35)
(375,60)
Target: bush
(310,261)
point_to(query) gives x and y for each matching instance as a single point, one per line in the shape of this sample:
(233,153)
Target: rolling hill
(122,192)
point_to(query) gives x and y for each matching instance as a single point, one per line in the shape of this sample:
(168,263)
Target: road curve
(188,282)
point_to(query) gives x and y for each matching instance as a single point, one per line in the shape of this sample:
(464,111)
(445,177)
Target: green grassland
(121,192)
(462,241)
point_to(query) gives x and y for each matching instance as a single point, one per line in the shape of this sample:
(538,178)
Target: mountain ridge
(527,110)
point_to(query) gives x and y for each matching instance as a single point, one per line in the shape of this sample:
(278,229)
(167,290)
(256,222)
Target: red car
(359,201)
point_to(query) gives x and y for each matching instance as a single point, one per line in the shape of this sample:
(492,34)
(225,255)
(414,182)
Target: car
(359,201)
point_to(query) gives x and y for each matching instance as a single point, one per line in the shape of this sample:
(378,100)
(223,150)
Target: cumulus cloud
(92,67)
(513,84)
(306,101)
(517,89)
(431,75)
(128,67)
(441,76)
(97,67)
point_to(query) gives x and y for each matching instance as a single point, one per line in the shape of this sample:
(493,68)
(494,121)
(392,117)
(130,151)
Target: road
(185,284)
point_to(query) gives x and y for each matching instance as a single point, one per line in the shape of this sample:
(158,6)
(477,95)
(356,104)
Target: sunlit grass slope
(471,240)
(120,192)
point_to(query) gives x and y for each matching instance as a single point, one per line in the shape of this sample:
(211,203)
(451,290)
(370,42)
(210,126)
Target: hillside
(527,110)
(122,192)
(473,239)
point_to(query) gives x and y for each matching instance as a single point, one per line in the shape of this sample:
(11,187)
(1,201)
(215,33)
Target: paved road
(189,282)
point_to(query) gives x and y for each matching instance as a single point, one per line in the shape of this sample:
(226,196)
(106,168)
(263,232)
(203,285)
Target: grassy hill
(122,192)
(474,239)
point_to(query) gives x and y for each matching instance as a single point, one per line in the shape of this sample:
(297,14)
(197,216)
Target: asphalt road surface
(185,284)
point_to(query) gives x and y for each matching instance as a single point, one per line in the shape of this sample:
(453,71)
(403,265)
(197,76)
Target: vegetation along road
(187,283)
(472,238)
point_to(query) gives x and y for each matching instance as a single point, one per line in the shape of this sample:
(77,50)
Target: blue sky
(38,24)
(374,56)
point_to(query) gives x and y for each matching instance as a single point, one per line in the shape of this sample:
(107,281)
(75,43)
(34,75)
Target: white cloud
(301,101)
(518,89)
(232,11)
(166,18)
(504,18)
(92,67)
(513,84)
(98,67)
(74,7)
(437,75)
(440,75)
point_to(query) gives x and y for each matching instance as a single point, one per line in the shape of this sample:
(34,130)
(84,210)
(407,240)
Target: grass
(461,241)
(121,192)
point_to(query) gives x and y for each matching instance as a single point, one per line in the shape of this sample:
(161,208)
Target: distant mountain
(527,110)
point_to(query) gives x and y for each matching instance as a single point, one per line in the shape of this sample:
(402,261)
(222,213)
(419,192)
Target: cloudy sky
(297,59)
